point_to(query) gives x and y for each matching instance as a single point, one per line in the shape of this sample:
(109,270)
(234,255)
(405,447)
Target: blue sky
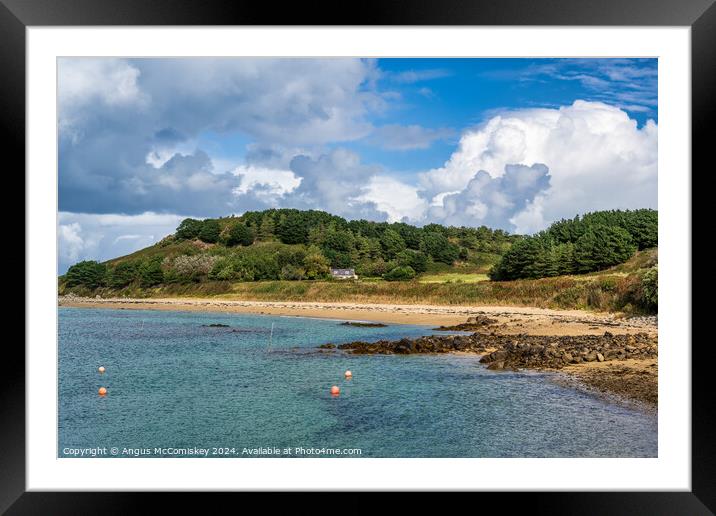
(509,143)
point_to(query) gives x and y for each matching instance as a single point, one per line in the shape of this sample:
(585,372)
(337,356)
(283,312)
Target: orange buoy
(335,391)
(101,369)
(102,391)
(348,374)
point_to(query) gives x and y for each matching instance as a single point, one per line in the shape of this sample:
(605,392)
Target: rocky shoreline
(615,354)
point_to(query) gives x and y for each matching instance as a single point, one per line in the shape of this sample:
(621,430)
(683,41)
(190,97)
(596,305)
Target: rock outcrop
(520,351)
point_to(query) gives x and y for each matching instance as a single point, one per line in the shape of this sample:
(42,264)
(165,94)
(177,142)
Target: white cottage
(344,273)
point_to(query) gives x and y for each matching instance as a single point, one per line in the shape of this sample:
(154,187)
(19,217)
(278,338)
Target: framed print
(417,250)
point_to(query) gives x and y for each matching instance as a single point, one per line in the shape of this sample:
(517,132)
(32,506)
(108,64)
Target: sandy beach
(511,319)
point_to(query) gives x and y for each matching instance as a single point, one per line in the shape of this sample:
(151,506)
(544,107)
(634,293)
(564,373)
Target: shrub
(650,287)
(374,268)
(316,266)
(400,273)
(193,267)
(292,273)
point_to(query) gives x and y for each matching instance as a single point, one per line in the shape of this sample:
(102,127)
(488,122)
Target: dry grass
(605,293)
(453,277)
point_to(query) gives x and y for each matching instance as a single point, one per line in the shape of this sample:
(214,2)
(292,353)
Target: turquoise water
(175,385)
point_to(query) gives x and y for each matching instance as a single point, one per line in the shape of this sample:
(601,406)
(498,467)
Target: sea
(259,386)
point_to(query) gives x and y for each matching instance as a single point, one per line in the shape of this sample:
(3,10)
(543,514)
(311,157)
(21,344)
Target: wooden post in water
(270,337)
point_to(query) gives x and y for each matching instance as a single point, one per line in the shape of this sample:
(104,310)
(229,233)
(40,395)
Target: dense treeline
(288,244)
(372,248)
(292,245)
(584,244)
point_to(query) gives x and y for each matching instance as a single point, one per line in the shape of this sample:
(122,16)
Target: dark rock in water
(363,324)
(216,325)
(327,346)
(511,352)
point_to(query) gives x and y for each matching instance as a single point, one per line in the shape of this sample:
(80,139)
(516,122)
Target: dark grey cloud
(128,128)
(130,131)
(334,182)
(493,201)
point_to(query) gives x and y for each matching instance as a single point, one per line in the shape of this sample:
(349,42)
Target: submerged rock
(363,324)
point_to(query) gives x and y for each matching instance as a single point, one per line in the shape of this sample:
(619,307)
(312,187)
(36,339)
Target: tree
(519,261)
(392,243)
(210,231)
(151,273)
(240,234)
(266,229)
(565,258)
(417,260)
(439,247)
(643,226)
(88,273)
(435,228)
(292,229)
(584,244)
(410,234)
(339,241)
(601,247)
(122,274)
(189,229)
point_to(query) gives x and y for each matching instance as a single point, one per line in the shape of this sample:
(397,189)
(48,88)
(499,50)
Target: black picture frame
(16,15)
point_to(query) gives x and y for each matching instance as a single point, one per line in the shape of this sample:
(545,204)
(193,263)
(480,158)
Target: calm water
(174,384)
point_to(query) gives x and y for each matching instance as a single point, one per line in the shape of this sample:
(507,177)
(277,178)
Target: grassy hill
(287,254)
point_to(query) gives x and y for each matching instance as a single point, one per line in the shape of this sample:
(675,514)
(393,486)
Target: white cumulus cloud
(598,158)
(399,200)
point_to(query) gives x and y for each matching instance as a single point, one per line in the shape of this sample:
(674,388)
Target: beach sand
(511,319)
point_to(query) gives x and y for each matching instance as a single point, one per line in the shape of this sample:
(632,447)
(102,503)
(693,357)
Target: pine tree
(267,229)
(392,243)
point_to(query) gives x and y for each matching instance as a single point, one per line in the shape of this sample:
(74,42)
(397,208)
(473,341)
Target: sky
(509,143)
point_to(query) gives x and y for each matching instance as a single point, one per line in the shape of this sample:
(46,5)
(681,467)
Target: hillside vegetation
(287,254)
(593,242)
